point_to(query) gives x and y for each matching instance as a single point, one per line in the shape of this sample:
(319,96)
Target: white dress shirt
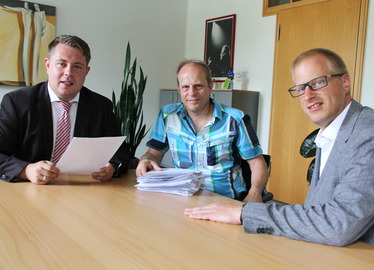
(326,138)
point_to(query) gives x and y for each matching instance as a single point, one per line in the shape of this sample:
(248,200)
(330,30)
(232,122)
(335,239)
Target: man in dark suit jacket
(28,117)
(339,208)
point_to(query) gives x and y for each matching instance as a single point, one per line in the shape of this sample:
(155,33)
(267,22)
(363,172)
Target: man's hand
(149,161)
(218,212)
(105,173)
(146,165)
(40,172)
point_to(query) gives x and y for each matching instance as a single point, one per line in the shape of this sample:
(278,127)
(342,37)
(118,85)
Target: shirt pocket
(181,148)
(219,149)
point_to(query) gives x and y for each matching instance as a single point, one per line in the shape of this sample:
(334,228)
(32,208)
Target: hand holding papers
(175,181)
(87,155)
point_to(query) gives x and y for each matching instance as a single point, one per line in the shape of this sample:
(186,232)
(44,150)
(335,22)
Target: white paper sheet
(88,155)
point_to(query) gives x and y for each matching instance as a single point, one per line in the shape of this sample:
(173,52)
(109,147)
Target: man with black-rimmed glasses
(339,208)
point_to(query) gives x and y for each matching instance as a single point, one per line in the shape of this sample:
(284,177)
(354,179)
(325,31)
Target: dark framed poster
(219,45)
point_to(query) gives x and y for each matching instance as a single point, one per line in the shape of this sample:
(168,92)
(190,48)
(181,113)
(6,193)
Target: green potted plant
(308,149)
(129,107)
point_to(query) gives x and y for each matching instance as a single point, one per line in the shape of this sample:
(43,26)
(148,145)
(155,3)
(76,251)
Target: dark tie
(63,131)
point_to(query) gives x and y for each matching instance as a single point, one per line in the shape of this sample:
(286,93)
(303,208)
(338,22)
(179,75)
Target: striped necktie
(63,131)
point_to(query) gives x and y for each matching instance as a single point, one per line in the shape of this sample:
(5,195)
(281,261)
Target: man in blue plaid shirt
(206,136)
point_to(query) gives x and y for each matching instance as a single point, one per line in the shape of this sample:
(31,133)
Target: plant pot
(133,163)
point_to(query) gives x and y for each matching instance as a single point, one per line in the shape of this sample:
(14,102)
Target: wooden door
(335,25)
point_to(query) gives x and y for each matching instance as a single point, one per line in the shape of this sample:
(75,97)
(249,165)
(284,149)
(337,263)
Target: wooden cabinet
(271,7)
(246,101)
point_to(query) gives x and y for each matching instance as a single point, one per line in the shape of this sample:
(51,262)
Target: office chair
(246,172)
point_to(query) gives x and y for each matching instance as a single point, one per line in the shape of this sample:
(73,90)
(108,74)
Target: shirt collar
(331,131)
(217,111)
(54,98)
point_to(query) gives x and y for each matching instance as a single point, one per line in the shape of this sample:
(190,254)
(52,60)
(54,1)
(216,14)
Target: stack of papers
(175,181)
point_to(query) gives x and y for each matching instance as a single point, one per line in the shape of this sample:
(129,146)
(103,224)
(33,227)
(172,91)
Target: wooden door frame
(356,92)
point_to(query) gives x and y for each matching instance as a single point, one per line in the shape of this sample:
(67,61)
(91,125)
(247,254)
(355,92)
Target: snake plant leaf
(128,109)
(308,146)
(127,61)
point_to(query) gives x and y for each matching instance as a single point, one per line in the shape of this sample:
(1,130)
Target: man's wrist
(116,167)
(256,190)
(146,158)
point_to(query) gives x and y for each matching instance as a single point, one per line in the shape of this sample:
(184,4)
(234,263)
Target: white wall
(163,32)
(254,50)
(155,29)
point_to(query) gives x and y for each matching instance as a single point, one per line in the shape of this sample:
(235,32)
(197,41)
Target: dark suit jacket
(26,128)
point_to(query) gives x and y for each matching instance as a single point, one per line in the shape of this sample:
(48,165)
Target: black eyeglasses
(315,84)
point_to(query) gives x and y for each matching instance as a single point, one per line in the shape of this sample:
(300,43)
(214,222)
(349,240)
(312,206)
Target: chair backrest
(247,175)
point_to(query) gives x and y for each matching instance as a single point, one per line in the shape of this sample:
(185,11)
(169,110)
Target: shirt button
(5,177)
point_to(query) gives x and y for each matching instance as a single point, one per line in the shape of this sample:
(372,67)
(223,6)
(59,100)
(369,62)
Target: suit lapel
(317,165)
(344,134)
(45,113)
(81,121)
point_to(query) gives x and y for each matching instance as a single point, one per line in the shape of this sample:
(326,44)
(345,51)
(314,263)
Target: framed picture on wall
(26,30)
(219,45)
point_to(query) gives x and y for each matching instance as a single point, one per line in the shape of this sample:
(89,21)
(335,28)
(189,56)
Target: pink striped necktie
(63,131)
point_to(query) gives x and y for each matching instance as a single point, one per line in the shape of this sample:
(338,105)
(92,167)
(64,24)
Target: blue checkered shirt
(216,150)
